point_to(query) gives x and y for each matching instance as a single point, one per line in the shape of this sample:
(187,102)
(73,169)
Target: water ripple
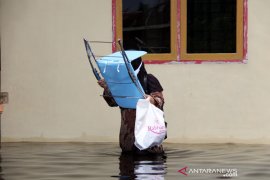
(66,161)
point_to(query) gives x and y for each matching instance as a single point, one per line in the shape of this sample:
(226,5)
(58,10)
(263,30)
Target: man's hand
(152,101)
(102,83)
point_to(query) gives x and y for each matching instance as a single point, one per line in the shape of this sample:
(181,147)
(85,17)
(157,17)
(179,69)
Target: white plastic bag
(150,129)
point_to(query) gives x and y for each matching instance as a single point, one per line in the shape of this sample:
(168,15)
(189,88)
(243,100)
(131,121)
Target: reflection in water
(1,172)
(142,166)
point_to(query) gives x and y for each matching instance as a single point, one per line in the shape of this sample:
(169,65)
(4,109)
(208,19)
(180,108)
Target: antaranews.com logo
(226,172)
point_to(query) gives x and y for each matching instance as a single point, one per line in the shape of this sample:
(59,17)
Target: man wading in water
(153,89)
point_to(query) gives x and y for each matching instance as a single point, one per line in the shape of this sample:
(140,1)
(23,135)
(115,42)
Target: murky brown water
(72,161)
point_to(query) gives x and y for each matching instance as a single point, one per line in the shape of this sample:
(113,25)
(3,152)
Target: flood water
(101,161)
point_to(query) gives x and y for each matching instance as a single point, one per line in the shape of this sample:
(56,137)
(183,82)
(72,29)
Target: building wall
(54,97)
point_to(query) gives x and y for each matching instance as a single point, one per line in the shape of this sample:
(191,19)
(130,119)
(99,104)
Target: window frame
(178,37)
(212,56)
(150,57)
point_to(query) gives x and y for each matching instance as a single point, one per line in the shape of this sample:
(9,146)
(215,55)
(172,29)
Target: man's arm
(107,95)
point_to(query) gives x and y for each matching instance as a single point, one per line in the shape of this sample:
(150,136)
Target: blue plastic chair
(125,90)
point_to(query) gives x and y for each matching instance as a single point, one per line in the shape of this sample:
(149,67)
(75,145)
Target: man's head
(137,63)
(140,71)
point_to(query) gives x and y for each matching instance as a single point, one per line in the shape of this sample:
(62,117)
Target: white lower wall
(54,97)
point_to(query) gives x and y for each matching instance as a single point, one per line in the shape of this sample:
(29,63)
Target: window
(182,30)
(211,29)
(148,25)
